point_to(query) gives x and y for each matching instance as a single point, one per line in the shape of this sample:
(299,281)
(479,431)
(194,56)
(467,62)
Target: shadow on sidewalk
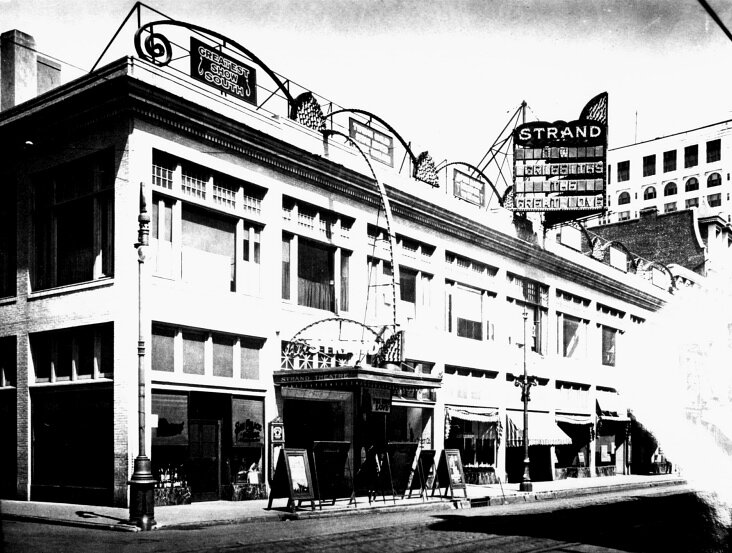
(91,515)
(682,522)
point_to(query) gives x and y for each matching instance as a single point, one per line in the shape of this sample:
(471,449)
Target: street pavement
(235,512)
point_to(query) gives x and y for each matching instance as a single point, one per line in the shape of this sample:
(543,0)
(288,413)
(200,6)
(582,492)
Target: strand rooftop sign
(560,167)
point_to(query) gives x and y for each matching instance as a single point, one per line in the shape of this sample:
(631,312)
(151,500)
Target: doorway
(204,473)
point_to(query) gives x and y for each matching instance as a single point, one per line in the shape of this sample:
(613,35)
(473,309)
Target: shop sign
(380,400)
(223,72)
(562,166)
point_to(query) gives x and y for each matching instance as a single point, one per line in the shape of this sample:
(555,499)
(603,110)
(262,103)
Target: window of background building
(624,198)
(669,207)
(669,189)
(714,180)
(649,165)
(8,360)
(624,216)
(250,352)
(73,226)
(691,156)
(714,150)
(669,161)
(223,355)
(609,343)
(691,185)
(649,193)
(194,348)
(714,200)
(623,171)
(163,347)
(8,230)
(692,202)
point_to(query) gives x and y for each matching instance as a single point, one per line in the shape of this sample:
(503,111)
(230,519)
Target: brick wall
(665,238)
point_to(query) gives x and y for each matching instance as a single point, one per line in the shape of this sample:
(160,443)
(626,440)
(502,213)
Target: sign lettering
(223,72)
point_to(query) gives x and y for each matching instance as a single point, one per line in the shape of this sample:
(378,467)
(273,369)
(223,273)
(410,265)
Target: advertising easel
(292,479)
(426,472)
(450,474)
(332,468)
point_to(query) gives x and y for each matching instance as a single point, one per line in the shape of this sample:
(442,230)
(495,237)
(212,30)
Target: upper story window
(691,156)
(533,297)
(649,165)
(315,221)
(572,336)
(669,161)
(73,223)
(309,273)
(692,202)
(624,198)
(691,184)
(8,234)
(204,185)
(8,362)
(624,216)
(467,312)
(184,351)
(669,189)
(714,200)
(669,207)
(77,353)
(714,150)
(609,344)
(208,242)
(714,180)
(623,171)
(649,193)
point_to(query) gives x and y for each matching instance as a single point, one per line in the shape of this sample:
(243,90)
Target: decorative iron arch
(422,166)
(389,219)
(472,168)
(156,49)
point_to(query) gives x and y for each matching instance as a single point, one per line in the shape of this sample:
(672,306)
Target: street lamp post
(525,382)
(142,483)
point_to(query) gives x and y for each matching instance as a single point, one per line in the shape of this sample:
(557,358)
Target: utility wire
(716,18)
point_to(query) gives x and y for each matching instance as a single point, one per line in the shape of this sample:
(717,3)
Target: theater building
(288,279)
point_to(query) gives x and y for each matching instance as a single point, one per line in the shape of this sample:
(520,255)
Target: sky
(447,75)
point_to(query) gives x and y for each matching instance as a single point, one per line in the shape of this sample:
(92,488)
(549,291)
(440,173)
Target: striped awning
(543,430)
(473,414)
(611,408)
(576,420)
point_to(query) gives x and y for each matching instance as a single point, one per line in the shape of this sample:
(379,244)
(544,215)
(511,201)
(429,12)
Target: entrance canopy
(330,377)
(543,430)
(611,408)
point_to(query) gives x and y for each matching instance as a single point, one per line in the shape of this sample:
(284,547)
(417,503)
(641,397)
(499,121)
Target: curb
(281,515)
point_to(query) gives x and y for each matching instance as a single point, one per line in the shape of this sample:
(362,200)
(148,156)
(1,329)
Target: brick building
(273,288)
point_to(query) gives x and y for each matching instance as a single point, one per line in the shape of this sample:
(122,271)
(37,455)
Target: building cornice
(111,92)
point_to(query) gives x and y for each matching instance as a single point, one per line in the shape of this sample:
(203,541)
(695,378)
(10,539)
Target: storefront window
(247,424)
(476,441)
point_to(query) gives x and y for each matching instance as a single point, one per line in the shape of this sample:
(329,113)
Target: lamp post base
(526,487)
(142,494)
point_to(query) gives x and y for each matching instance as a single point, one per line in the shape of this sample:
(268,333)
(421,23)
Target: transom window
(669,189)
(624,198)
(714,180)
(649,193)
(691,184)
(70,354)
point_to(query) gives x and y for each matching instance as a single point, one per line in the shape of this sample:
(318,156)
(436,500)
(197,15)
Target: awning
(543,430)
(473,414)
(578,420)
(611,408)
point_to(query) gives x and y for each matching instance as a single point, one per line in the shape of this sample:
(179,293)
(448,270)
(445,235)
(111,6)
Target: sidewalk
(236,512)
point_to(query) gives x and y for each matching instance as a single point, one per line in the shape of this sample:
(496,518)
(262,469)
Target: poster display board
(401,458)
(424,473)
(332,470)
(292,479)
(450,474)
